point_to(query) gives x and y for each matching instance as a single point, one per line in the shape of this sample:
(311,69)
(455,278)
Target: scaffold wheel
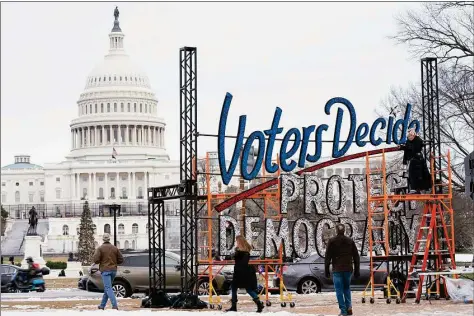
(283,304)
(363,300)
(397,301)
(372,300)
(268,303)
(389,301)
(219,307)
(212,306)
(292,304)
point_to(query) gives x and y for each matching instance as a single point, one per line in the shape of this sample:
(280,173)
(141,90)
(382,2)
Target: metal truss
(430,111)
(156,245)
(188,157)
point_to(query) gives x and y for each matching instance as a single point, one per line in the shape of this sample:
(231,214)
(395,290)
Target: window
(58,179)
(122,107)
(90,108)
(137,261)
(41,196)
(3,184)
(106,229)
(141,108)
(17,184)
(101,193)
(108,107)
(140,192)
(146,108)
(65,230)
(17,197)
(135,228)
(128,107)
(84,193)
(95,108)
(31,197)
(134,245)
(121,80)
(41,183)
(124,192)
(30,183)
(58,193)
(4,197)
(134,107)
(127,244)
(112,193)
(121,229)
(115,107)
(102,108)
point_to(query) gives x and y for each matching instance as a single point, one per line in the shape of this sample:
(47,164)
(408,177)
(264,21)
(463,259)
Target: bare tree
(445,31)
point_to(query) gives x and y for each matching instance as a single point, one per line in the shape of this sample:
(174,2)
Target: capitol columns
(119,134)
(89,190)
(149,136)
(133,193)
(106,188)
(117,190)
(127,135)
(129,176)
(103,135)
(83,140)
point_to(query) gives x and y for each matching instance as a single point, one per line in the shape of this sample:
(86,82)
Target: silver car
(307,276)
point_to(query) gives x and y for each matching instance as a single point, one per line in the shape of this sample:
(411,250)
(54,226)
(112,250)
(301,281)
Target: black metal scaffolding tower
(430,111)
(188,156)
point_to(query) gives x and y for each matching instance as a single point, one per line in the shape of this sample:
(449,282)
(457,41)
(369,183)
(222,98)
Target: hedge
(56,265)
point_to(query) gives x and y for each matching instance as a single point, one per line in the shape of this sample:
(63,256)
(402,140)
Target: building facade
(117,152)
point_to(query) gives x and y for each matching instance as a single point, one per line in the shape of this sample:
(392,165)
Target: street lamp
(114,207)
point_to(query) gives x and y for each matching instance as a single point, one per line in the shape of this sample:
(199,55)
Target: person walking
(341,252)
(107,256)
(245,275)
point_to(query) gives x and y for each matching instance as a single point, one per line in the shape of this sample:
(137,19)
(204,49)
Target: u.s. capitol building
(118,115)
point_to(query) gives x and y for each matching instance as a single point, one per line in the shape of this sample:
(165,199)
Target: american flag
(114,153)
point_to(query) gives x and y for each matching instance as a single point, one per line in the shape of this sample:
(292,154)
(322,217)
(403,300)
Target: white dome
(118,110)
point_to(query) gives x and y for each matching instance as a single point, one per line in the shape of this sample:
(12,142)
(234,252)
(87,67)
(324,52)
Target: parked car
(307,276)
(133,276)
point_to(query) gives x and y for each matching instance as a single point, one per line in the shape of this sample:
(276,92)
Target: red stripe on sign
(245,194)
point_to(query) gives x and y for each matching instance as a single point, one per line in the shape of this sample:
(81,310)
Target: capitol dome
(118,111)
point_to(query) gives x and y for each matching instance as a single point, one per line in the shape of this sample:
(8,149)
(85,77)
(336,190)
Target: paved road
(63,294)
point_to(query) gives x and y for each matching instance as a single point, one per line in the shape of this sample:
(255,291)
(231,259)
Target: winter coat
(419,177)
(108,257)
(245,276)
(341,251)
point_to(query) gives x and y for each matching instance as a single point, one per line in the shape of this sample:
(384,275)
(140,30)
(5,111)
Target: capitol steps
(14,239)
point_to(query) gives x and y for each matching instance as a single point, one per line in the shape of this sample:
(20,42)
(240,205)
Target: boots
(233,308)
(259,304)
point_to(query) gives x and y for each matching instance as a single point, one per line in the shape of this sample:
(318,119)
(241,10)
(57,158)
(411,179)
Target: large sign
(295,139)
(325,201)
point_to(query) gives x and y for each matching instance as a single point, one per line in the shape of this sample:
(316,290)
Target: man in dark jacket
(341,251)
(108,257)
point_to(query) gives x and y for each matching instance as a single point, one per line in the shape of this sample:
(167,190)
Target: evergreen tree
(86,237)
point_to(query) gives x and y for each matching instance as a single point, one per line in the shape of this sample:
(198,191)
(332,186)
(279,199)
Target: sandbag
(460,290)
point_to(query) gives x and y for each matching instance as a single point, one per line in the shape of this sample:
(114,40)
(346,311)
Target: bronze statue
(33,221)
(116,13)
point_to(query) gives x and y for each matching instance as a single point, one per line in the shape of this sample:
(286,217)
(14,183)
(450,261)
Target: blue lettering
(319,143)
(404,127)
(286,155)
(272,167)
(389,130)
(245,155)
(336,152)
(377,122)
(304,144)
(362,131)
(226,174)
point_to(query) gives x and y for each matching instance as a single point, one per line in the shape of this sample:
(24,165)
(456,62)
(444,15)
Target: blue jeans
(251,292)
(342,284)
(107,278)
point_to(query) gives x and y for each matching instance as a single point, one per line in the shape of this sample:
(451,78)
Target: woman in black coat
(244,275)
(419,177)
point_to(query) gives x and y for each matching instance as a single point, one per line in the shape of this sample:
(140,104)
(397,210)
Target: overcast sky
(292,55)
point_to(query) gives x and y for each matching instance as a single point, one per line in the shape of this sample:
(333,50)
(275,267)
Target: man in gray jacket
(341,251)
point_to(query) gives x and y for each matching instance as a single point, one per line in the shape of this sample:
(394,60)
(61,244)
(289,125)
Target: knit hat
(106,237)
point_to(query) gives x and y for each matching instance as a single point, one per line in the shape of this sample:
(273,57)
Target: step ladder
(432,243)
